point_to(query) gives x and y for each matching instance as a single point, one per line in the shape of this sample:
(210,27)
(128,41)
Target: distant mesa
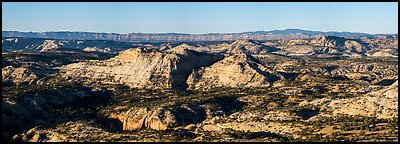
(173,37)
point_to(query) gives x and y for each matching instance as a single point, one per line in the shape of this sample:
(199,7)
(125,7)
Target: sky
(199,17)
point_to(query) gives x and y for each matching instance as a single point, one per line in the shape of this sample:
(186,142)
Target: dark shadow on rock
(289,76)
(258,135)
(306,92)
(282,55)
(367,78)
(179,134)
(386,82)
(225,105)
(109,124)
(320,89)
(48,107)
(330,68)
(189,115)
(254,59)
(182,73)
(272,49)
(306,114)
(371,67)
(271,78)
(341,77)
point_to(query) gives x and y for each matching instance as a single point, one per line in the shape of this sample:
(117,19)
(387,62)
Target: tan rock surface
(17,75)
(143,68)
(159,118)
(234,71)
(382,104)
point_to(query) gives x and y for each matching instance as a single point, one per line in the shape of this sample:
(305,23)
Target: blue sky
(200,17)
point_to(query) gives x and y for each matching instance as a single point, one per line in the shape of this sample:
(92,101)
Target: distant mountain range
(176,37)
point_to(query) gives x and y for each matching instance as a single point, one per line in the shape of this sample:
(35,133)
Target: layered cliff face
(144,68)
(238,70)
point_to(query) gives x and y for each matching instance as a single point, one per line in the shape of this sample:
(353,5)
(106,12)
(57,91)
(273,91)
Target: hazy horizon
(193,33)
(199,18)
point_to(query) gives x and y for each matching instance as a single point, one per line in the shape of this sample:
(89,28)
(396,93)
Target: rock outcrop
(239,70)
(381,104)
(144,68)
(159,118)
(331,45)
(250,47)
(339,45)
(48,45)
(390,92)
(95,49)
(371,69)
(17,75)
(386,53)
(299,50)
(245,46)
(73,131)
